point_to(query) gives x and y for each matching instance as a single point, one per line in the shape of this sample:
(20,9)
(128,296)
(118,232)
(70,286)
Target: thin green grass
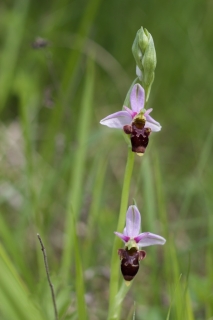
(78,169)
(100,166)
(68,80)
(194,183)
(15,298)
(13,248)
(12,46)
(79,275)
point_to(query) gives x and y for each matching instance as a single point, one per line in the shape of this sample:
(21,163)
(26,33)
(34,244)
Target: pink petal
(133,222)
(137,98)
(148,111)
(149,118)
(117,120)
(146,239)
(132,113)
(124,232)
(151,123)
(122,236)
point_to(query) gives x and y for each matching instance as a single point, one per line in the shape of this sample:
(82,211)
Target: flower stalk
(114,276)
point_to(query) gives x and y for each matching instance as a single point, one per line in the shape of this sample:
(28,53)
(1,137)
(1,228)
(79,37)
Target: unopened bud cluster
(143,50)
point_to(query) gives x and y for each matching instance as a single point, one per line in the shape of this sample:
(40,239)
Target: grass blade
(79,277)
(14,296)
(10,51)
(77,174)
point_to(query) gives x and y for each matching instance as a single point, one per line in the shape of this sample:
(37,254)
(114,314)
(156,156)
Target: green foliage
(59,166)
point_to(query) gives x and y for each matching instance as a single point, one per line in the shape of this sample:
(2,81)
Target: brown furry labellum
(139,137)
(130,262)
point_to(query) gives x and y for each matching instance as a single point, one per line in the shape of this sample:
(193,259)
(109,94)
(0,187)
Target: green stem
(114,278)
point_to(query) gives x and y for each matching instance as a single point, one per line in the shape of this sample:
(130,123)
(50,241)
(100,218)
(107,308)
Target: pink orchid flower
(128,116)
(131,234)
(133,239)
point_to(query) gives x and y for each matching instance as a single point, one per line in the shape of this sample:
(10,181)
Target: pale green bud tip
(143,49)
(143,38)
(149,59)
(139,46)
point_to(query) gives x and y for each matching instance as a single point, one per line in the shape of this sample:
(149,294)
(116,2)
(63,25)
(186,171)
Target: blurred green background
(64,65)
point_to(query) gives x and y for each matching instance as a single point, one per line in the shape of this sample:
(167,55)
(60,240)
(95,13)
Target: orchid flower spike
(135,121)
(122,118)
(131,234)
(133,239)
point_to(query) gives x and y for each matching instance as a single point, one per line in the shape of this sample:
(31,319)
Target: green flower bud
(137,52)
(143,50)
(143,38)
